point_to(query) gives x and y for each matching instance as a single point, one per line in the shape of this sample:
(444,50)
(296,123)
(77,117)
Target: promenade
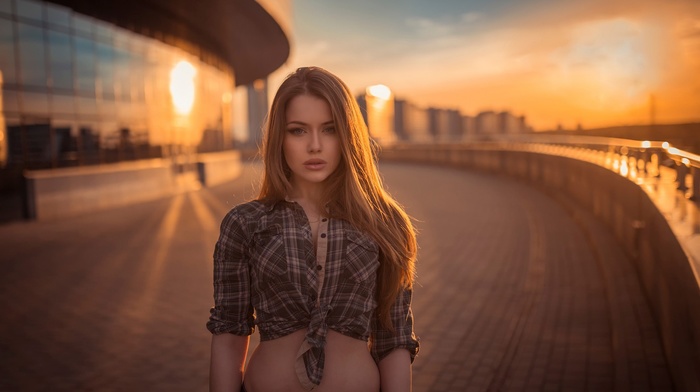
(516,291)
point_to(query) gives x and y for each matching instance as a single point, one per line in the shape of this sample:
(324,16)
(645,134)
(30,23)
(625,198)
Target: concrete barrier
(663,266)
(219,167)
(65,192)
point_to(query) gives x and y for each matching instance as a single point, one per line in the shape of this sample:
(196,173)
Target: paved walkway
(515,292)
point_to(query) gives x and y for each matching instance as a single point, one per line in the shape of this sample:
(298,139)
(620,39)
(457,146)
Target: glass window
(30,9)
(10,103)
(105,66)
(140,112)
(88,141)
(62,105)
(124,72)
(61,63)
(7,48)
(32,55)
(82,25)
(6,6)
(138,89)
(58,16)
(108,109)
(87,107)
(103,31)
(35,103)
(85,73)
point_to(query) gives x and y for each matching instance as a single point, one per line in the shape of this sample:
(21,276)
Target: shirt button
(323,235)
(319,267)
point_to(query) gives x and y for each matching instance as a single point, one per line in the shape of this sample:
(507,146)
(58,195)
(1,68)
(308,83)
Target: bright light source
(686,161)
(624,170)
(380,91)
(646,144)
(673,150)
(182,87)
(665,145)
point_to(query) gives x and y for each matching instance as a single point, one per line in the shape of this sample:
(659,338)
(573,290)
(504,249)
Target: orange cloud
(595,63)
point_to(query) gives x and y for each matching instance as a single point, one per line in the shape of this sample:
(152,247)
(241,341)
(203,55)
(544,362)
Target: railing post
(681,172)
(645,156)
(695,173)
(655,161)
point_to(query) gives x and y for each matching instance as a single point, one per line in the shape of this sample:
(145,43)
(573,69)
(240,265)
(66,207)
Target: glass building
(86,83)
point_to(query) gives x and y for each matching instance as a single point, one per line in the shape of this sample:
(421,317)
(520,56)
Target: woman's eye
(295,131)
(329,130)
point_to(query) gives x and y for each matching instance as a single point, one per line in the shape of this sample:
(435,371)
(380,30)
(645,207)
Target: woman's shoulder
(243,215)
(250,211)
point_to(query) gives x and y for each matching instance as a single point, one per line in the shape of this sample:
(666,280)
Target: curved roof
(240,32)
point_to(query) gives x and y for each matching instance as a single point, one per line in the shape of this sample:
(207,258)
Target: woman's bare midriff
(348,365)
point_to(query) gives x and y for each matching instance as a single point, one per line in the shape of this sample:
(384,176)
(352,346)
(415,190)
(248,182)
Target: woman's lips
(315,164)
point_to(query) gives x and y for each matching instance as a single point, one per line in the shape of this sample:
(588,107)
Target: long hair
(354,191)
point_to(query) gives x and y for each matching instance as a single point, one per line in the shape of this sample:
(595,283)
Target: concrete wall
(661,263)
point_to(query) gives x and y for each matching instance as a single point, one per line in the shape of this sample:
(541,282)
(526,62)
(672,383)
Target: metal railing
(634,159)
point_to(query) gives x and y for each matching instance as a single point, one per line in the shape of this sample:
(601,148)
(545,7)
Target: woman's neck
(308,196)
(310,193)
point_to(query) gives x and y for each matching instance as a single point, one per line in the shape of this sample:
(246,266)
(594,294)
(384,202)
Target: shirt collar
(271,206)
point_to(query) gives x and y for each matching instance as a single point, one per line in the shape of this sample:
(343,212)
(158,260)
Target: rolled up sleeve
(232,311)
(385,341)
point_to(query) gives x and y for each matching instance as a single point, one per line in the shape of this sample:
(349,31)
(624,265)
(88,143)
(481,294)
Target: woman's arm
(228,353)
(395,371)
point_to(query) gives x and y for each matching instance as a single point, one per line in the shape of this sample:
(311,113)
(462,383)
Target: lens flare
(380,91)
(182,88)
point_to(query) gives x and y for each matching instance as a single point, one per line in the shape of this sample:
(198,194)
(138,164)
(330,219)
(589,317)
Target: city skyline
(591,63)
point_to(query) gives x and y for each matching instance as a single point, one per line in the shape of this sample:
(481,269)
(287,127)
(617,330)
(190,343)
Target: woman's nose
(315,141)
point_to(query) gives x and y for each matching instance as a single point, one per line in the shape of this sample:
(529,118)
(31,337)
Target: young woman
(322,262)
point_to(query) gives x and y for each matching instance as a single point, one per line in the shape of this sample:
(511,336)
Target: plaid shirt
(264,261)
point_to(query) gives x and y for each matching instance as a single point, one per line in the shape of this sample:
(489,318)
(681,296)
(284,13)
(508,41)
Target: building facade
(99,82)
(86,83)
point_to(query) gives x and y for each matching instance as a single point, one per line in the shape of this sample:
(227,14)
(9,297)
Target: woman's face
(311,144)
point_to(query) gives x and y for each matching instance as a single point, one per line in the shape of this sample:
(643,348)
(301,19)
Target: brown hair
(354,191)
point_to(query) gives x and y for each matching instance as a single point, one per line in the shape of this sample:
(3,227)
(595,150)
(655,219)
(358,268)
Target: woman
(324,258)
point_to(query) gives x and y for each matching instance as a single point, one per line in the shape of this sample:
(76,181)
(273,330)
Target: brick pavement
(515,292)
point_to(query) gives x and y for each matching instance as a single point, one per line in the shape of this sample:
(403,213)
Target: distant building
(411,122)
(416,124)
(468,126)
(434,122)
(509,124)
(377,106)
(487,123)
(453,125)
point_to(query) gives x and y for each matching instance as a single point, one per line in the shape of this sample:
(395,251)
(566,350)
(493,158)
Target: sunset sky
(593,62)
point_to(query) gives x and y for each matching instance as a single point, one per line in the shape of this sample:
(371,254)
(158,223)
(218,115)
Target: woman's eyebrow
(294,122)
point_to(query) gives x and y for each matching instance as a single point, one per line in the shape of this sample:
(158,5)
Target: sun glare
(609,67)
(182,88)
(380,91)
(380,118)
